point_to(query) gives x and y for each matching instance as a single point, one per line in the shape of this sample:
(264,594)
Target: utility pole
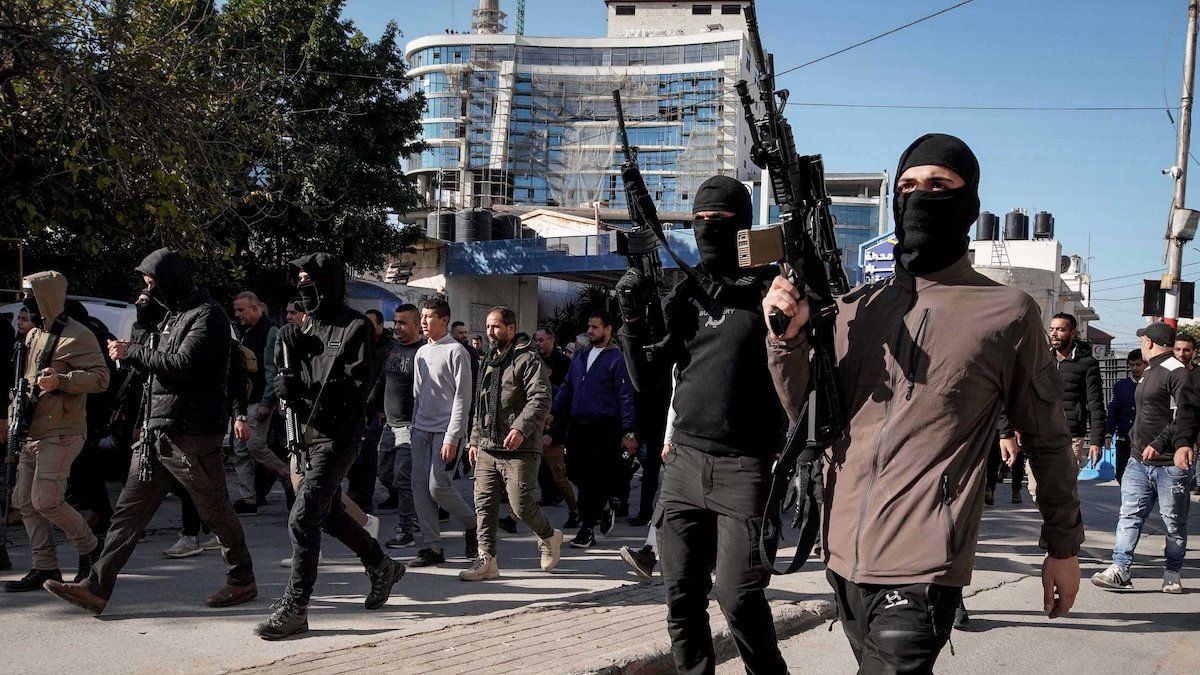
(1177,232)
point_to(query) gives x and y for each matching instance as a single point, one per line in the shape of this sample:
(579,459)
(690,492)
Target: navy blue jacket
(604,392)
(1121,408)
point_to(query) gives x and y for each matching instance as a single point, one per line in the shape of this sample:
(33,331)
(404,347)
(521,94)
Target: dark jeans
(1122,444)
(360,483)
(593,463)
(319,509)
(86,488)
(895,629)
(192,524)
(711,515)
(196,463)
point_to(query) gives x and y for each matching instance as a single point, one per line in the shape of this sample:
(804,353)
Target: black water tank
(505,225)
(1043,226)
(1016,226)
(473,225)
(987,227)
(440,225)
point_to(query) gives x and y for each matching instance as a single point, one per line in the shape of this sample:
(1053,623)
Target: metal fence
(1112,369)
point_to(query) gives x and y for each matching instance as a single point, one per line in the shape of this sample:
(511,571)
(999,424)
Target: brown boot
(78,595)
(229,595)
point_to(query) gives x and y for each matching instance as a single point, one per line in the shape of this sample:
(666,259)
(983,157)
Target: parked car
(118,315)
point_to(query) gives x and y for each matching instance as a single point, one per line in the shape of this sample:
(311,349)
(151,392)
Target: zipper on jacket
(949,494)
(914,354)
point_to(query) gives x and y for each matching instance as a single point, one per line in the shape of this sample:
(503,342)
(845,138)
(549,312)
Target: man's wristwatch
(631,436)
(241,418)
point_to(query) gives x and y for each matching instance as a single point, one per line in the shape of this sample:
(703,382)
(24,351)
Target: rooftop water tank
(1043,226)
(1016,226)
(987,227)
(473,225)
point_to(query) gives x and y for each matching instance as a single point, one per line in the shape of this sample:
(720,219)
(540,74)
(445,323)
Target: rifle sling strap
(808,513)
(711,287)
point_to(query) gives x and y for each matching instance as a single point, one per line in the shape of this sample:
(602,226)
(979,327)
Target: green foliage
(244,135)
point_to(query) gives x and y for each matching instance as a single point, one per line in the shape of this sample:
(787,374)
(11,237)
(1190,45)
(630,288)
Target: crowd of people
(947,378)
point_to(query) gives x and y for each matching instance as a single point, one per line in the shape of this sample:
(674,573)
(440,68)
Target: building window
(731,9)
(701,9)
(626,10)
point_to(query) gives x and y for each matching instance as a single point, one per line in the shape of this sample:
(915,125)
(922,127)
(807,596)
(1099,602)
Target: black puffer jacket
(334,354)
(1083,393)
(191,364)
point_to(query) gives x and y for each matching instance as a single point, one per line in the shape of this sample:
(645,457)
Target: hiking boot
(76,594)
(471,543)
(230,595)
(1114,577)
(642,561)
(287,619)
(427,557)
(551,549)
(32,581)
(584,538)
(383,576)
(401,540)
(186,547)
(989,496)
(1171,583)
(482,569)
(85,564)
(508,524)
(572,521)
(245,507)
(211,543)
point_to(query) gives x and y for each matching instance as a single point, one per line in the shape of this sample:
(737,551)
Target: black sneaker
(287,619)
(245,507)
(392,502)
(85,564)
(572,521)
(427,557)
(508,524)
(989,496)
(383,577)
(32,581)
(401,540)
(642,560)
(471,544)
(608,520)
(584,538)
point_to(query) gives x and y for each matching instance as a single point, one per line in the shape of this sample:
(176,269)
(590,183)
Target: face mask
(150,313)
(934,227)
(716,240)
(35,315)
(310,298)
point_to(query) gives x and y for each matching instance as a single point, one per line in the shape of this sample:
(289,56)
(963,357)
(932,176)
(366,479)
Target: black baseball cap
(1159,333)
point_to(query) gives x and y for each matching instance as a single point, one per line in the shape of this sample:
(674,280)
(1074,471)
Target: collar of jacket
(1158,360)
(952,275)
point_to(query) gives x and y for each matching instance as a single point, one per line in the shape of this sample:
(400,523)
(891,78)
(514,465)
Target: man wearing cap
(926,361)
(1152,474)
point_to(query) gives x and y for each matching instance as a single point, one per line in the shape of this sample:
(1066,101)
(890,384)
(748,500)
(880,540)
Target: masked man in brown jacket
(926,361)
(63,364)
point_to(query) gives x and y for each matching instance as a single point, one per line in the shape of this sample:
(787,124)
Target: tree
(244,136)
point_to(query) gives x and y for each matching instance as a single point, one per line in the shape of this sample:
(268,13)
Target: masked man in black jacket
(325,381)
(189,416)
(728,426)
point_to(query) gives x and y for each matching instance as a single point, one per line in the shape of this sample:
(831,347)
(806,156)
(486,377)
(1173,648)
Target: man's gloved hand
(290,387)
(632,295)
(301,344)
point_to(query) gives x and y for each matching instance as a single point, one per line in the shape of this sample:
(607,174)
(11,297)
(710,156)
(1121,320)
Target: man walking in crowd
(188,365)
(926,361)
(392,397)
(458,330)
(1153,474)
(1185,350)
(596,399)
(360,480)
(506,442)
(441,414)
(62,364)
(324,377)
(554,461)
(295,313)
(727,427)
(1122,410)
(255,330)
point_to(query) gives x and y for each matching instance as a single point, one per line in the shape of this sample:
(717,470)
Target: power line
(1135,274)
(977,108)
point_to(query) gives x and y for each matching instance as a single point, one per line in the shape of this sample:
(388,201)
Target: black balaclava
(150,312)
(716,238)
(933,227)
(30,304)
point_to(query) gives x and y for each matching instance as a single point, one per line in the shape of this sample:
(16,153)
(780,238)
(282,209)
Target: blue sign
(877,259)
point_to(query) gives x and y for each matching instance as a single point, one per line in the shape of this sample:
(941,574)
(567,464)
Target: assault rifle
(18,427)
(640,244)
(805,247)
(296,444)
(148,449)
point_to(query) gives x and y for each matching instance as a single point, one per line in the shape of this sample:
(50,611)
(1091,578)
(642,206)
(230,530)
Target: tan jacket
(77,357)
(926,365)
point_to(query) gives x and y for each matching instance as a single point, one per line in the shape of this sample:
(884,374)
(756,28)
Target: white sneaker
(186,547)
(483,568)
(372,527)
(1171,583)
(211,544)
(551,549)
(1113,577)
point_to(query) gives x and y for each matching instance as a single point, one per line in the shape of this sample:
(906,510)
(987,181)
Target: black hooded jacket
(1083,393)
(335,363)
(191,364)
